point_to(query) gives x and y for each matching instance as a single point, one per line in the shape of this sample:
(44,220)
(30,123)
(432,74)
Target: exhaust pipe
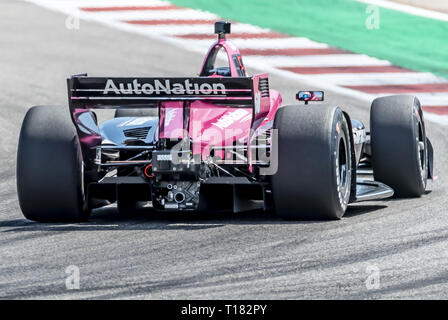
(179,197)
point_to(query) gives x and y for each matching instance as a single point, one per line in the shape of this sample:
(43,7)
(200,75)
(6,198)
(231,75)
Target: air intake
(263,86)
(137,133)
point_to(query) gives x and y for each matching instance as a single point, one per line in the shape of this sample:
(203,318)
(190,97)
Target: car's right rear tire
(50,173)
(313,180)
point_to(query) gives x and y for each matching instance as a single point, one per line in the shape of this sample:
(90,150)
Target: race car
(222,141)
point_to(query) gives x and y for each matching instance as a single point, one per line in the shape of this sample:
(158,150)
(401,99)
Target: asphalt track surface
(401,243)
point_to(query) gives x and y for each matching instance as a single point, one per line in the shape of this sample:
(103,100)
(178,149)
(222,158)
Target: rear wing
(102,93)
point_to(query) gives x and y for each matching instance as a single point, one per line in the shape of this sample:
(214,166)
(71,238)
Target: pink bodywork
(211,125)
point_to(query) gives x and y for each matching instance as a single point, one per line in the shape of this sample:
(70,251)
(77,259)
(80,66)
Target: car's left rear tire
(50,175)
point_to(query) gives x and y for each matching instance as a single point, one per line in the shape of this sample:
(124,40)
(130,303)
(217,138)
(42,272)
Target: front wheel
(314,175)
(399,145)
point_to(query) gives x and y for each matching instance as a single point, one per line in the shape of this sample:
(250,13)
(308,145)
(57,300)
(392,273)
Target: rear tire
(399,146)
(154,112)
(50,173)
(313,179)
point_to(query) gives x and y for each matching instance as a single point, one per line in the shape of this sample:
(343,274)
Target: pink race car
(220,141)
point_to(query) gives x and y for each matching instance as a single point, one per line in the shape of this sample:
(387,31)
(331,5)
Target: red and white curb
(297,58)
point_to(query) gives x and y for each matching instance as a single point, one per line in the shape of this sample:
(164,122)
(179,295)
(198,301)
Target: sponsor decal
(135,121)
(164,157)
(170,114)
(359,136)
(257,102)
(230,117)
(167,86)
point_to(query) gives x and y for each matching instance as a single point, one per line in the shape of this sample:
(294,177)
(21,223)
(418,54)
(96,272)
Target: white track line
(426,98)
(175,14)
(327,60)
(380,78)
(408,9)
(285,43)
(437,118)
(175,30)
(109,3)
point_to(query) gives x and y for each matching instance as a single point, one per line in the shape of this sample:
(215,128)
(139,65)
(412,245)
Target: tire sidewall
(340,131)
(417,120)
(305,186)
